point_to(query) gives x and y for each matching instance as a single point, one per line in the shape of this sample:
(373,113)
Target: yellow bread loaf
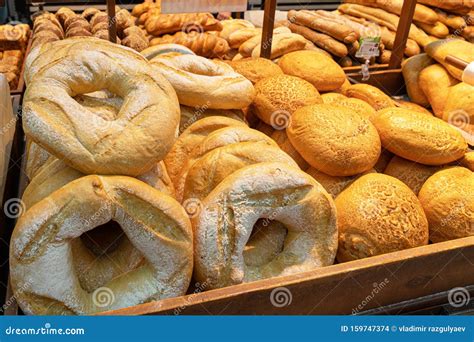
(414,175)
(359,106)
(281,138)
(330,98)
(378,214)
(277,97)
(435,81)
(412,106)
(459,108)
(418,137)
(334,140)
(411,69)
(373,96)
(455,47)
(316,68)
(448,200)
(256,69)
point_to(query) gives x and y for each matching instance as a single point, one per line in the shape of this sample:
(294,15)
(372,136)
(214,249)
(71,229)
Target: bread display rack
(341,288)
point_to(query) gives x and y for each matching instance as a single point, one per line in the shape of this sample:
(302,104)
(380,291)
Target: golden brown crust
(370,94)
(411,69)
(160,24)
(378,214)
(334,140)
(418,137)
(448,200)
(316,68)
(256,69)
(414,175)
(282,95)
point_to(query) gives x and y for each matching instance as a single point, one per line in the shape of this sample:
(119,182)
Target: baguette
(451,5)
(321,24)
(160,24)
(453,21)
(422,13)
(322,40)
(283,43)
(384,18)
(239,37)
(411,69)
(438,30)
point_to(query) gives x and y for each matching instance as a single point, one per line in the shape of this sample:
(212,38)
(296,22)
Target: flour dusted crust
(448,200)
(334,140)
(35,158)
(230,211)
(48,263)
(190,138)
(414,175)
(219,138)
(282,94)
(202,82)
(378,214)
(418,137)
(207,172)
(370,94)
(88,142)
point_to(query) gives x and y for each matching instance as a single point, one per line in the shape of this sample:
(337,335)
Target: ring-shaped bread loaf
(141,134)
(199,81)
(47,256)
(274,191)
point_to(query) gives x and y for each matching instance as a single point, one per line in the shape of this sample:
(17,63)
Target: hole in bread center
(103,239)
(265,243)
(103,103)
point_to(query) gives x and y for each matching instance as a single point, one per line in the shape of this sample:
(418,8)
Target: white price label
(369,47)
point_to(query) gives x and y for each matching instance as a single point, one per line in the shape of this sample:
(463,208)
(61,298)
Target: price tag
(369,47)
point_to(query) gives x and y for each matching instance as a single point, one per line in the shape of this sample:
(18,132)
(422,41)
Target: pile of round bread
(65,23)
(130,200)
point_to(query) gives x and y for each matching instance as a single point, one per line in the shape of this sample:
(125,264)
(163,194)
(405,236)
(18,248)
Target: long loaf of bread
(453,21)
(438,29)
(169,23)
(321,24)
(202,44)
(322,40)
(381,17)
(422,13)
(451,5)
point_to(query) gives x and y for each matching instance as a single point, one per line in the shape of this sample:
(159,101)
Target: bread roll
(282,44)
(448,200)
(435,82)
(360,107)
(411,69)
(230,26)
(256,69)
(378,214)
(418,137)
(334,140)
(414,175)
(370,94)
(277,97)
(319,70)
